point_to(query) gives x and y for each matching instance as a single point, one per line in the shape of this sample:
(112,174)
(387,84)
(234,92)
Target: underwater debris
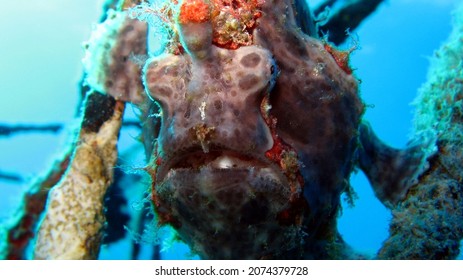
(346,17)
(10,177)
(22,228)
(9,130)
(428,224)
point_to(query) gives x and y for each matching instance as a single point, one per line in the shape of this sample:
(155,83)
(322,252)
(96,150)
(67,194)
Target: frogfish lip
(219,159)
(227,205)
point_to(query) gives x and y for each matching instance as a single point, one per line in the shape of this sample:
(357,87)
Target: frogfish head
(214,179)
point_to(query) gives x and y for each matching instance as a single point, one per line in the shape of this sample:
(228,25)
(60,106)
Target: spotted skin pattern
(255,145)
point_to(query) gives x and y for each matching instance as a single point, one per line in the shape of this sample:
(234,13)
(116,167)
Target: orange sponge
(194,11)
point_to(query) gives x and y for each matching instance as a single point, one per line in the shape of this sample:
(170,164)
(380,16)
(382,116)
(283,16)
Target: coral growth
(428,224)
(233,21)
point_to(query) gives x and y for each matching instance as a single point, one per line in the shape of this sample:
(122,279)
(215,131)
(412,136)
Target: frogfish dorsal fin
(391,171)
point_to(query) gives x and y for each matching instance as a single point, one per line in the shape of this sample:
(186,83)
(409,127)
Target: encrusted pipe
(73,223)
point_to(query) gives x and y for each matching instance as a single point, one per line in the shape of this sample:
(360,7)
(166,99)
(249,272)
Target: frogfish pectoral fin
(391,171)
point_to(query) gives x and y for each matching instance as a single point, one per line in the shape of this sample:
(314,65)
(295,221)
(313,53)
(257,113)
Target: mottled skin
(318,111)
(213,178)
(219,97)
(251,161)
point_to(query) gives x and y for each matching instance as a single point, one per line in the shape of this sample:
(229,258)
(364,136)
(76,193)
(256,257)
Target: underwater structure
(251,124)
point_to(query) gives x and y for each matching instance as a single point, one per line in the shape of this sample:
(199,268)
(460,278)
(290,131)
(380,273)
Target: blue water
(40,54)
